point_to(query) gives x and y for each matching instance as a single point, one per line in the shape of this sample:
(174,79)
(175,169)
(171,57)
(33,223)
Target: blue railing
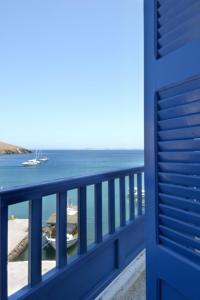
(95,266)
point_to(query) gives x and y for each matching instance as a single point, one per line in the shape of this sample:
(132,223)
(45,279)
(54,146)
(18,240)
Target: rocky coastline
(12,149)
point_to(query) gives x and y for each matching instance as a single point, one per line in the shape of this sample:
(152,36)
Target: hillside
(12,149)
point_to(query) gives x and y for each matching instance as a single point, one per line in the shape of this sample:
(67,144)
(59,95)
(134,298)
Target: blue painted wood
(180,202)
(82,220)
(172,119)
(180,145)
(131,197)
(35,241)
(151,55)
(139,193)
(20,194)
(98,213)
(177,33)
(3,251)
(182,168)
(176,236)
(111,206)
(122,202)
(181,122)
(179,214)
(179,225)
(61,229)
(166,30)
(181,110)
(175,10)
(182,191)
(89,274)
(180,134)
(176,247)
(181,179)
(187,97)
(189,156)
(100,263)
(177,90)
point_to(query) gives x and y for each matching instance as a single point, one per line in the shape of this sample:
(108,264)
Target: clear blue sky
(71,73)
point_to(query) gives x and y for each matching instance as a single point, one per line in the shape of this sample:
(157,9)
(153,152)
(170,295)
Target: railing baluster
(111,206)
(131,197)
(3,252)
(82,220)
(35,241)
(139,193)
(98,213)
(143,194)
(122,202)
(61,229)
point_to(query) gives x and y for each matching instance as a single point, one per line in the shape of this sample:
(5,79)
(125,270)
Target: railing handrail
(23,193)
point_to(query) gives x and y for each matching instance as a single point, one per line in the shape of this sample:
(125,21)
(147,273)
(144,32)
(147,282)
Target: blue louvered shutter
(177,24)
(172,148)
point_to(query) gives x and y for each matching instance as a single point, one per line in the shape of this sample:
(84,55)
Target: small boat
(71,240)
(42,158)
(31,162)
(49,231)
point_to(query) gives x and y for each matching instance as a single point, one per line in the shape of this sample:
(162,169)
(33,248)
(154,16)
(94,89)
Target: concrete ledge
(18,274)
(130,284)
(17,237)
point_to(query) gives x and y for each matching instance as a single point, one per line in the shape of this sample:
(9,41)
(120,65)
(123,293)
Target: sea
(66,164)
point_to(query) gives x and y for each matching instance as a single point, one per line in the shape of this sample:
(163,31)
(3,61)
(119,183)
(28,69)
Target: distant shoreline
(12,149)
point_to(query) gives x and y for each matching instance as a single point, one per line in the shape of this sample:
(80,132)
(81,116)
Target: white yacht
(31,162)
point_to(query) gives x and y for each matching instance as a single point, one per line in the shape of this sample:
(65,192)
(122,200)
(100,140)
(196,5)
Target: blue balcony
(94,266)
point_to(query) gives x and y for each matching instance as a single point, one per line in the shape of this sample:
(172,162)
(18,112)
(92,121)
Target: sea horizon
(66,163)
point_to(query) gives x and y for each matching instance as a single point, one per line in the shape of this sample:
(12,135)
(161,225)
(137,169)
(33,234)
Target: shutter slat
(181,122)
(178,90)
(178,134)
(177,24)
(190,169)
(179,111)
(179,214)
(184,98)
(185,180)
(184,17)
(189,253)
(180,238)
(190,157)
(184,145)
(180,202)
(179,225)
(178,190)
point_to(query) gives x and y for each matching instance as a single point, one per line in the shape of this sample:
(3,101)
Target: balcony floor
(130,284)
(137,291)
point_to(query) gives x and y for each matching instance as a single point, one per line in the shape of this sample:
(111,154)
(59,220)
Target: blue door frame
(172,132)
